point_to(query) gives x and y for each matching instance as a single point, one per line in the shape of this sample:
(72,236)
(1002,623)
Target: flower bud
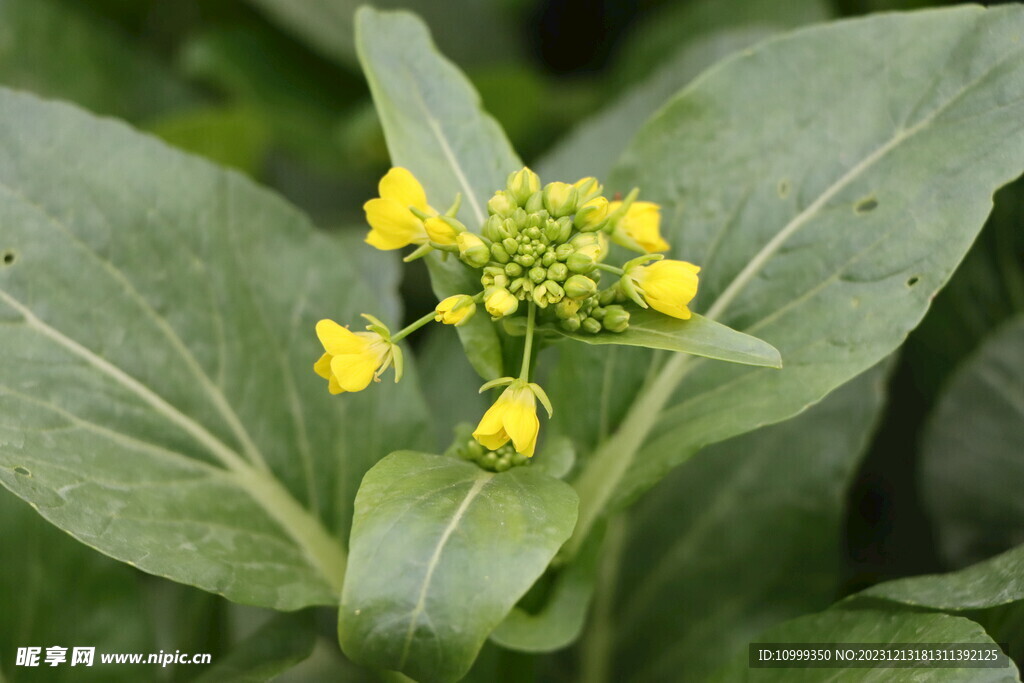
(502,204)
(499,254)
(522,184)
(564,251)
(590,326)
(558,272)
(587,188)
(509,228)
(513,269)
(560,199)
(591,215)
(598,312)
(572,323)
(567,308)
(548,258)
(583,260)
(608,296)
(511,246)
(616,319)
(526,260)
(579,287)
(540,296)
(443,230)
(553,231)
(555,291)
(535,203)
(455,310)
(499,302)
(492,229)
(472,249)
(538,274)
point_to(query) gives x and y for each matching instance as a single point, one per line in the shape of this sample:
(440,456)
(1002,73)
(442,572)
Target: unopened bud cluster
(501,460)
(545,245)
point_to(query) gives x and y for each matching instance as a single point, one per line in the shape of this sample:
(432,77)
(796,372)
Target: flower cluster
(541,255)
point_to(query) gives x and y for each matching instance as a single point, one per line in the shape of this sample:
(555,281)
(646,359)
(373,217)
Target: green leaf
(699,336)
(996,581)
(814,204)
(559,622)
(872,626)
(972,470)
(771,499)
(275,647)
(157,398)
(57,49)
(441,550)
(44,607)
(435,127)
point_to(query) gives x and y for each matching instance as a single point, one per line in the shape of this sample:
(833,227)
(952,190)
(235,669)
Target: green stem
(597,643)
(609,268)
(406,331)
(524,371)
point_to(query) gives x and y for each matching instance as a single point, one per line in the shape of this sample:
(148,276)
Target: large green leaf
(158,400)
(772,499)
(698,336)
(57,49)
(441,550)
(825,210)
(876,627)
(973,451)
(996,581)
(435,127)
(44,607)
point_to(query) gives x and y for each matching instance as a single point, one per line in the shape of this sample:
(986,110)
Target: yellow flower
(667,286)
(392,224)
(513,416)
(455,310)
(639,228)
(500,302)
(351,360)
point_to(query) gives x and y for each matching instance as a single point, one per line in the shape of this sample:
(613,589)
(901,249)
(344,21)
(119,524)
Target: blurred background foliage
(273,89)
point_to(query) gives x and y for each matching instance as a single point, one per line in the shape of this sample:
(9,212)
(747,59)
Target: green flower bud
(591,215)
(535,203)
(558,272)
(572,323)
(519,459)
(553,231)
(501,280)
(616,319)
(555,291)
(585,239)
(590,326)
(548,258)
(533,233)
(527,248)
(540,296)
(513,270)
(538,274)
(598,312)
(499,254)
(503,465)
(472,249)
(499,302)
(511,246)
(587,188)
(608,296)
(579,287)
(521,218)
(489,460)
(502,204)
(560,199)
(492,229)
(564,251)
(510,228)
(522,184)
(493,270)
(581,261)
(526,260)
(567,308)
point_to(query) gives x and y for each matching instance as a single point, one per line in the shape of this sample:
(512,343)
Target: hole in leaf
(8,257)
(913,281)
(783,188)
(865,205)
(22,471)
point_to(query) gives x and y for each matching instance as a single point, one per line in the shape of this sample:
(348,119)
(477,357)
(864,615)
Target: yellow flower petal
(491,432)
(668,286)
(401,186)
(392,226)
(640,228)
(333,386)
(520,420)
(323,366)
(337,339)
(355,371)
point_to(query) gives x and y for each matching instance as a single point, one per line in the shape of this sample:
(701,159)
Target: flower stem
(406,331)
(609,268)
(524,372)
